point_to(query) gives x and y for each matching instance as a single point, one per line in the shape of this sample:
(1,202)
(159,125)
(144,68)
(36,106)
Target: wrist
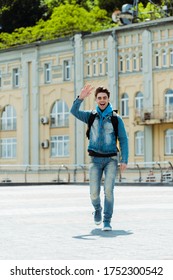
(79,97)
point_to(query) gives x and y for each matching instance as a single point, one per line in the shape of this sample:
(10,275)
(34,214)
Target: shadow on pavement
(99,233)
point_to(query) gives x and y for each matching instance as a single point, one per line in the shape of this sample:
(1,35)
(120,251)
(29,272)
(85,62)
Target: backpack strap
(90,122)
(114,120)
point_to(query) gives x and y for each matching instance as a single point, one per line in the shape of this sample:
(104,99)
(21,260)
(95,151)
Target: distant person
(103,151)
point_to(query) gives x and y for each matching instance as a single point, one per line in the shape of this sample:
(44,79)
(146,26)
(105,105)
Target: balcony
(156,115)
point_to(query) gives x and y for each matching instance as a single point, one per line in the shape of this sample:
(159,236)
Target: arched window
(139,143)
(169,104)
(139,101)
(8,118)
(59,114)
(169,142)
(125,105)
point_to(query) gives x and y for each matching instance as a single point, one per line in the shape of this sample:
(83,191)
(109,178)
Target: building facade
(38,83)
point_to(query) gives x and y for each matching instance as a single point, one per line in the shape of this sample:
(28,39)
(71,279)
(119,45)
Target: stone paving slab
(56,222)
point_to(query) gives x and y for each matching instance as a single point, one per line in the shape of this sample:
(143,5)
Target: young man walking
(103,151)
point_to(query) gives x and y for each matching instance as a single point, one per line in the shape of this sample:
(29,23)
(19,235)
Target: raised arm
(75,109)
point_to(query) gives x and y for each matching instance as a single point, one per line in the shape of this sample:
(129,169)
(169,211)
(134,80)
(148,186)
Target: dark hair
(102,89)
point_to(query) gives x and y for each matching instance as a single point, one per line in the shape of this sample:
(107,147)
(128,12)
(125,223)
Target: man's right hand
(86,91)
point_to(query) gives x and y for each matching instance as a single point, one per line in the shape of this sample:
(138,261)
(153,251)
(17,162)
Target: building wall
(129,60)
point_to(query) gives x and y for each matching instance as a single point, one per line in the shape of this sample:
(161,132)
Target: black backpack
(114,120)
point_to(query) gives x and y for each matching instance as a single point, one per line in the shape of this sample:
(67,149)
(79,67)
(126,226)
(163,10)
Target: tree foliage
(65,20)
(63,17)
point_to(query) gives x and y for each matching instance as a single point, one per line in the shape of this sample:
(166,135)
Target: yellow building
(39,81)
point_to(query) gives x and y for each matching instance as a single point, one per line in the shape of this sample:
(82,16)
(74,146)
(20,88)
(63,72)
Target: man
(103,151)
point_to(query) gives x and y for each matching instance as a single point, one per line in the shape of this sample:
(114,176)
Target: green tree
(65,20)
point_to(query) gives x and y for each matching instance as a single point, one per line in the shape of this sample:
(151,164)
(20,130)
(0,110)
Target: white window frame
(171,57)
(169,142)
(141,61)
(88,68)
(156,59)
(60,114)
(8,118)
(67,70)
(164,58)
(47,73)
(94,66)
(125,105)
(100,67)
(169,104)
(8,148)
(121,64)
(106,66)
(139,143)
(139,101)
(15,77)
(60,146)
(134,63)
(127,63)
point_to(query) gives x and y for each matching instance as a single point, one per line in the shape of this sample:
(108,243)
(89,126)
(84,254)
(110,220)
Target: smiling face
(102,100)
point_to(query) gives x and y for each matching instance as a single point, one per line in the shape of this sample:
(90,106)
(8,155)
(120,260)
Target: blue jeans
(98,167)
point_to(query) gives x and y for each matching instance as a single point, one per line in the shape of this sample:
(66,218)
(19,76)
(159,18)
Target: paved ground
(56,222)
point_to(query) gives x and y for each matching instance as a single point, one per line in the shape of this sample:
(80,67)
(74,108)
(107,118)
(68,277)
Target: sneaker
(98,216)
(106,226)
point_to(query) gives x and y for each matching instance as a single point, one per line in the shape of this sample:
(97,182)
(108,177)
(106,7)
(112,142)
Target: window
(15,77)
(8,118)
(67,70)
(139,143)
(134,63)
(60,146)
(127,63)
(88,68)
(59,114)
(139,101)
(171,57)
(169,104)
(106,66)
(169,142)
(47,73)
(156,59)
(125,105)
(164,62)
(100,67)
(94,68)
(121,64)
(140,61)
(8,148)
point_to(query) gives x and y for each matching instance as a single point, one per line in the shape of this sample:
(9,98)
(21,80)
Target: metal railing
(159,113)
(138,172)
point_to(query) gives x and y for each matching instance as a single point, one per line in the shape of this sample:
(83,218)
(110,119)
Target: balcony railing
(157,114)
